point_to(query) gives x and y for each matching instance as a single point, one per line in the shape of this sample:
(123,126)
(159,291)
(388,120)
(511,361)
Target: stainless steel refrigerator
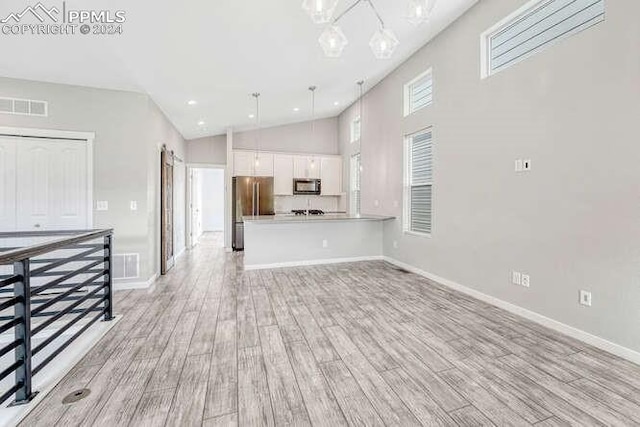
(251,196)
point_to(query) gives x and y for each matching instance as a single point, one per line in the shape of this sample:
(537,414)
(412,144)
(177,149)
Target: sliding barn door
(166,209)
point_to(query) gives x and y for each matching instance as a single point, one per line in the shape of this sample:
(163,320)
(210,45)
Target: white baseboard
(601,343)
(121,286)
(312,262)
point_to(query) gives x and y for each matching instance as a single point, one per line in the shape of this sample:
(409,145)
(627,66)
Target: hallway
(356,344)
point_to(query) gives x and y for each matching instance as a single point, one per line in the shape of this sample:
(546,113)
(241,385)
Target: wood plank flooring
(354,344)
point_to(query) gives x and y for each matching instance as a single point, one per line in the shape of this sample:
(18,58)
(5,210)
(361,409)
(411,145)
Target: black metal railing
(53,286)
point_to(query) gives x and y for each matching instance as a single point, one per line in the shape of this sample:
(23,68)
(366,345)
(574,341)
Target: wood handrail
(14,255)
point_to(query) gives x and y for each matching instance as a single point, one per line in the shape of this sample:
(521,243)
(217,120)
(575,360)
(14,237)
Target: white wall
(212,199)
(130,129)
(572,222)
(207,150)
(293,138)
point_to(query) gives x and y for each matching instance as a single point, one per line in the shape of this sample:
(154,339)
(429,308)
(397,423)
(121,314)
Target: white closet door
(52,185)
(7,185)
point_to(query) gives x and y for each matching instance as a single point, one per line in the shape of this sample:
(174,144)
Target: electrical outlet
(325,244)
(376,203)
(395,244)
(102,205)
(518,165)
(525,280)
(516,278)
(585,298)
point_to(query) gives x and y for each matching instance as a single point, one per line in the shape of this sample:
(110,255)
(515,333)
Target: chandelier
(383,42)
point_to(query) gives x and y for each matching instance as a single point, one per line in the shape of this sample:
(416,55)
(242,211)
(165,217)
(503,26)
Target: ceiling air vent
(126,266)
(24,107)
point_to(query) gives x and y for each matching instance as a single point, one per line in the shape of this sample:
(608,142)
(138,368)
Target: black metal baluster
(108,313)
(23,332)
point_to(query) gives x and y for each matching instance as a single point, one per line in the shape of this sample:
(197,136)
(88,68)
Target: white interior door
(50,184)
(7,185)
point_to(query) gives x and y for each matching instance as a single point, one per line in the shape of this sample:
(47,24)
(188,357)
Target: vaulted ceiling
(219,52)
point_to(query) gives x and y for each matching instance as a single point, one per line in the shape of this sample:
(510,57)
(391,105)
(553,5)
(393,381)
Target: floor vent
(24,107)
(126,266)
(74,396)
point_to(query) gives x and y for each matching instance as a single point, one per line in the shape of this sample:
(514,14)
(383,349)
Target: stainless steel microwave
(306,186)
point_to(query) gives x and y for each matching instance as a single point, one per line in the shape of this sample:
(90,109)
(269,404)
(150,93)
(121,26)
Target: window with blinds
(355,129)
(537,25)
(418,93)
(355,184)
(419,179)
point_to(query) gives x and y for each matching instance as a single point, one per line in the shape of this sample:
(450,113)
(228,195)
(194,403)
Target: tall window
(355,129)
(419,183)
(355,184)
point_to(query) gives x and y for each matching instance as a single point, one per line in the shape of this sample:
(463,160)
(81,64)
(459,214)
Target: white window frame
(485,56)
(355,167)
(406,215)
(356,129)
(407,92)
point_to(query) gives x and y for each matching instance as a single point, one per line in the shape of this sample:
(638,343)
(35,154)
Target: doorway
(206,205)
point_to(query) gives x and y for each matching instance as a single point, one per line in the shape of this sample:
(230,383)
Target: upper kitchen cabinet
(306,167)
(264,164)
(283,175)
(331,175)
(248,163)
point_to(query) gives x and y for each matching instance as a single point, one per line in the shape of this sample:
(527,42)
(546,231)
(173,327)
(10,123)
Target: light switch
(133,205)
(102,205)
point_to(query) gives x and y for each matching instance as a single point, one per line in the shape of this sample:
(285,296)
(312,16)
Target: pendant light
(320,11)
(256,95)
(312,89)
(419,11)
(333,41)
(360,95)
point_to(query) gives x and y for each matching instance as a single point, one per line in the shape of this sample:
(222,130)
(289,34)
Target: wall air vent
(24,107)
(126,266)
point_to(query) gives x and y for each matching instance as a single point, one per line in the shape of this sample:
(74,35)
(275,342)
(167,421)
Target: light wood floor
(351,344)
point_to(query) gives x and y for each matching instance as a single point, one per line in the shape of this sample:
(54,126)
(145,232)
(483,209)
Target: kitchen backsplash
(284,204)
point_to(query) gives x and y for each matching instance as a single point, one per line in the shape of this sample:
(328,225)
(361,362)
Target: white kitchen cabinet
(244,164)
(264,164)
(306,167)
(283,175)
(331,175)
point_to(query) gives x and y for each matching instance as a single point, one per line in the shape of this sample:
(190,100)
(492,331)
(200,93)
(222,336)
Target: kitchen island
(291,240)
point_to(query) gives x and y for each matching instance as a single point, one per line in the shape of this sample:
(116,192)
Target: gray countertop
(290,218)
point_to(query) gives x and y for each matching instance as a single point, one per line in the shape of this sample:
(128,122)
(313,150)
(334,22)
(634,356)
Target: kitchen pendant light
(320,11)
(256,95)
(383,43)
(312,89)
(419,11)
(333,41)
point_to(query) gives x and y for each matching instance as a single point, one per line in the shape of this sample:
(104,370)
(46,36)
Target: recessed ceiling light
(336,103)
(296,109)
(192,102)
(201,123)
(251,116)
